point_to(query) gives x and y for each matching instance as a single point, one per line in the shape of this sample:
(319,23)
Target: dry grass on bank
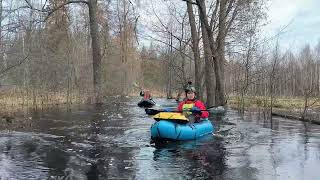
(280,103)
(154,93)
(14,99)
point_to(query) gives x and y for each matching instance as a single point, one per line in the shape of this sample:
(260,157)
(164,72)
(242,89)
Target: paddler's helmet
(190,88)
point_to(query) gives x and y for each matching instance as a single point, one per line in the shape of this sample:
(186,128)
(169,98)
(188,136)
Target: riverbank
(14,106)
(291,108)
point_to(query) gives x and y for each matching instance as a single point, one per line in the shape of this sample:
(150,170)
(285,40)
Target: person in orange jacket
(192,105)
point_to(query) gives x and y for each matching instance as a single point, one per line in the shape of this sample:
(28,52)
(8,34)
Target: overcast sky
(302,18)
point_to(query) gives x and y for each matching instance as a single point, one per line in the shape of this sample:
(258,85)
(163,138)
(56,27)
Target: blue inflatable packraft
(170,130)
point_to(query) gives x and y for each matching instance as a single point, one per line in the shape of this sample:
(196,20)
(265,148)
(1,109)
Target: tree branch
(167,29)
(51,11)
(233,16)
(177,49)
(214,15)
(2,72)
(189,1)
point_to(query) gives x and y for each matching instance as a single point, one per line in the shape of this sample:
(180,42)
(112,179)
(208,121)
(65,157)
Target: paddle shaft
(182,111)
(208,109)
(154,111)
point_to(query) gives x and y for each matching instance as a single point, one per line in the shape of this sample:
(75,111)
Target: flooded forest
(168,89)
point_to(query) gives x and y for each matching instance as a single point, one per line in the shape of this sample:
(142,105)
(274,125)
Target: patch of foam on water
(12,169)
(30,134)
(120,116)
(5,167)
(83,145)
(49,135)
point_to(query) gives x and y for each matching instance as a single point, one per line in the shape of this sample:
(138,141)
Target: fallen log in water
(297,118)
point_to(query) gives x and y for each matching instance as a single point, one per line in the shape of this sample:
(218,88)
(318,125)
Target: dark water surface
(113,142)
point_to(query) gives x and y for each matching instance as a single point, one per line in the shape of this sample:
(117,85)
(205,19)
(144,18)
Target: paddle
(155,111)
(152,100)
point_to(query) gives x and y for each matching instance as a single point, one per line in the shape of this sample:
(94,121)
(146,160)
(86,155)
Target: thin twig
(2,72)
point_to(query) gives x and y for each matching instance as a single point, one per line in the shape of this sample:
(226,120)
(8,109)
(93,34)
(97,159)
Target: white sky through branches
(300,20)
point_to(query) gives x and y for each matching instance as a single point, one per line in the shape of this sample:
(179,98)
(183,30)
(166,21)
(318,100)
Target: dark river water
(113,142)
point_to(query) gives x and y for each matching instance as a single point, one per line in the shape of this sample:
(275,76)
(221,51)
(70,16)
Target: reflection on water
(112,141)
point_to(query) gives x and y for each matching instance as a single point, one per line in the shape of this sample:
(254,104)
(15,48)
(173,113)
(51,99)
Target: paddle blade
(151,111)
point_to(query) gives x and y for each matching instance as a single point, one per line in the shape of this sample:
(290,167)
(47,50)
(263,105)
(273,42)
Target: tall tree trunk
(305,109)
(210,83)
(208,63)
(271,96)
(219,67)
(124,46)
(195,49)
(1,45)
(30,73)
(69,78)
(25,74)
(96,51)
(219,50)
(169,89)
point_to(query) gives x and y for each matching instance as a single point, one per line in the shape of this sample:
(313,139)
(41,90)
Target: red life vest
(146,95)
(197,103)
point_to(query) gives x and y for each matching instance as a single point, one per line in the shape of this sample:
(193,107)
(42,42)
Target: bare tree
(309,85)
(216,26)
(272,76)
(195,49)
(96,49)
(1,44)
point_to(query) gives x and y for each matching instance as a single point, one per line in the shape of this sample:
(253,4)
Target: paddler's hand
(167,110)
(195,111)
